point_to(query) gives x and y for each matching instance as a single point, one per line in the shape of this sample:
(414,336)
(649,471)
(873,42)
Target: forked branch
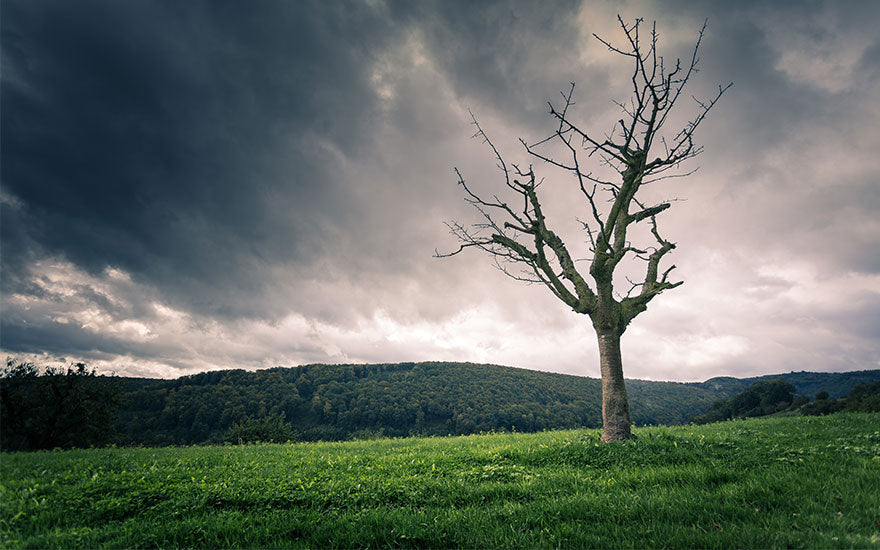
(514,235)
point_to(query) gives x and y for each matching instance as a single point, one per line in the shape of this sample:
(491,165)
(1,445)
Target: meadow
(793,482)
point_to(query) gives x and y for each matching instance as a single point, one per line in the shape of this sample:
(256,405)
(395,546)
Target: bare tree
(517,234)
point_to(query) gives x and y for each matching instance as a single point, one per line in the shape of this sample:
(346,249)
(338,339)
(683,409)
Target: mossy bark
(615,407)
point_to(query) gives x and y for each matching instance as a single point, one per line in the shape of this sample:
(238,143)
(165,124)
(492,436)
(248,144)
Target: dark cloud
(182,142)
(503,54)
(195,185)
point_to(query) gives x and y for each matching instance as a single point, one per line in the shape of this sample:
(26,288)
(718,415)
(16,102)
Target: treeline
(331,402)
(59,407)
(766,397)
(334,402)
(317,402)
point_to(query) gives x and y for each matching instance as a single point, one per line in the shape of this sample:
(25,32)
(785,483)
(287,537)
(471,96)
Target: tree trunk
(615,408)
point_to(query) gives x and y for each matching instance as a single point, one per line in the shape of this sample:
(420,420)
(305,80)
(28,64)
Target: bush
(761,398)
(864,398)
(799,401)
(861,398)
(269,429)
(823,407)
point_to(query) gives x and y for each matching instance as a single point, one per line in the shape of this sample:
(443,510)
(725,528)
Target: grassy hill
(805,482)
(333,402)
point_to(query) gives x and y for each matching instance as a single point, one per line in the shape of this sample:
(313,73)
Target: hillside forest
(76,407)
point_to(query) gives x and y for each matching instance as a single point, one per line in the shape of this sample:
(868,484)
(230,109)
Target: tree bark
(615,407)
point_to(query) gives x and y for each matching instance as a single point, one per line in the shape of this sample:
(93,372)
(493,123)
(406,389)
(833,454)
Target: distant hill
(344,401)
(837,384)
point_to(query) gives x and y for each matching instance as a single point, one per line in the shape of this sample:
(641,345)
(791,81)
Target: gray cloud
(184,143)
(188,186)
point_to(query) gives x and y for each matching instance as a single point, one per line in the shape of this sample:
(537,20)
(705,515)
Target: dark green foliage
(837,384)
(337,402)
(760,399)
(72,407)
(331,402)
(799,401)
(763,398)
(864,398)
(823,406)
(202,407)
(269,429)
(861,398)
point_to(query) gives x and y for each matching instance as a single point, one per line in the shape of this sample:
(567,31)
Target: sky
(193,186)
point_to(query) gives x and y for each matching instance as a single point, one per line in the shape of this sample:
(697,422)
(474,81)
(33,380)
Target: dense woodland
(332,402)
(769,397)
(345,401)
(56,407)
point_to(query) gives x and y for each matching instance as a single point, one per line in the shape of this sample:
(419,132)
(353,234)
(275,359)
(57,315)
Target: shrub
(761,398)
(864,398)
(823,407)
(268,429)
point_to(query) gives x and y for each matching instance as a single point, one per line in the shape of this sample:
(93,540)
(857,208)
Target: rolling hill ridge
(329,402)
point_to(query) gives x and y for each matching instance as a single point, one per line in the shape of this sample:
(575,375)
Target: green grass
(809,482)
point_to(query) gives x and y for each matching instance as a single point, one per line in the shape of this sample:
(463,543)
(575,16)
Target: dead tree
(637,152)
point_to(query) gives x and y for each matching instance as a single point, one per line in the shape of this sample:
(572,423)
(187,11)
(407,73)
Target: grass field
(810,482)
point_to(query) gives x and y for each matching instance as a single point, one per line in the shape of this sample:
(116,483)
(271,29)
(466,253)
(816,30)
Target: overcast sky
(190,186)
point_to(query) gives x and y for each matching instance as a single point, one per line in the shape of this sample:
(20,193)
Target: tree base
(620,434)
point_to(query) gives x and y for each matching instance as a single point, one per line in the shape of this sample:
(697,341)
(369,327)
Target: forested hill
(837,384)
(343,401)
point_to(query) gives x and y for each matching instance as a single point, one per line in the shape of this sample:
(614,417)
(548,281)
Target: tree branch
(514,236)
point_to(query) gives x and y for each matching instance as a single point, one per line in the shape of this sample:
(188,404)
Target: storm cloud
(202,185)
